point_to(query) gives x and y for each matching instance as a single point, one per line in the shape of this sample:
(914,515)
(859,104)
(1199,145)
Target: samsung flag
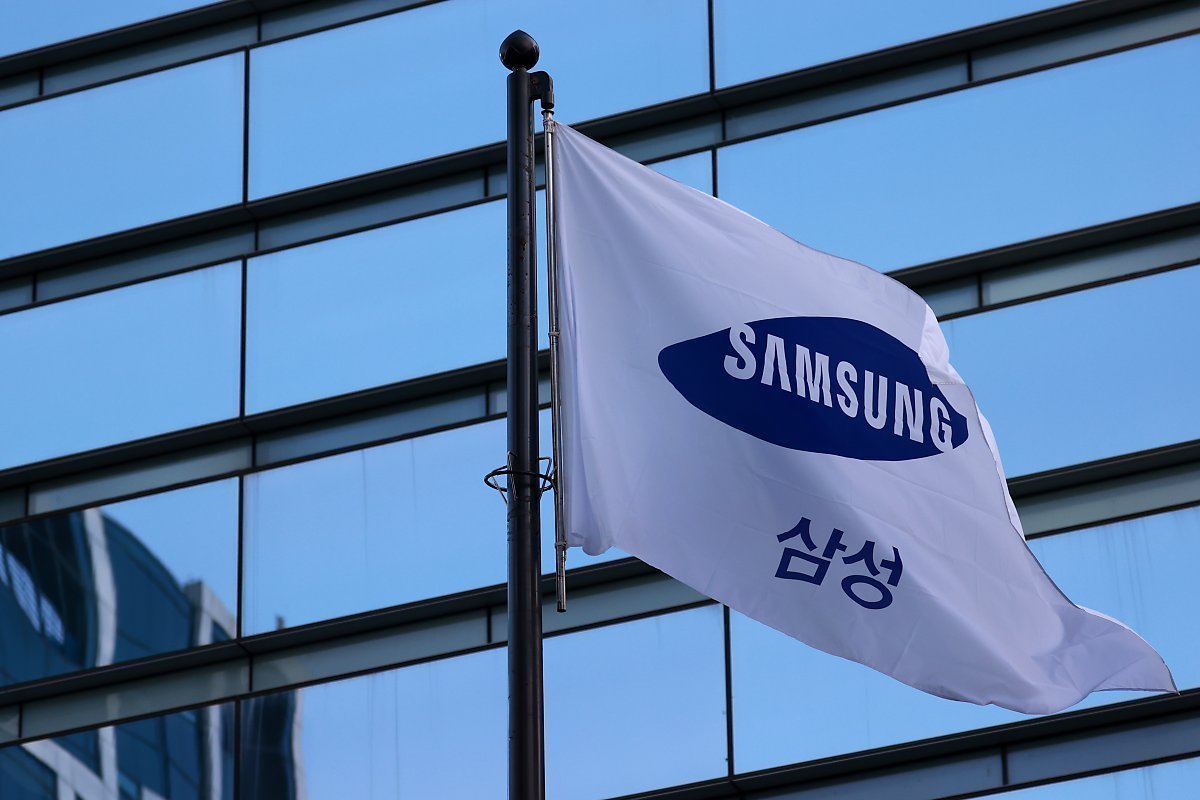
(782,430)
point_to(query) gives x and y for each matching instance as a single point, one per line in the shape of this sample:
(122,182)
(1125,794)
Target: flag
(782,430)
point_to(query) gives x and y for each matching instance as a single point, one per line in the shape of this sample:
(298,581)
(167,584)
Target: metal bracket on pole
(541,88)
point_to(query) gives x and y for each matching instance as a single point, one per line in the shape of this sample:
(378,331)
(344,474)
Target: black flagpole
(526,738)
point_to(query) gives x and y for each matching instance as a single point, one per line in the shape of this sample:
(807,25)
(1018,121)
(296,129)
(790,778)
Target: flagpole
(526,737)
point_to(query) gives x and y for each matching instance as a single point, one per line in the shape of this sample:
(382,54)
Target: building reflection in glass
(100,586)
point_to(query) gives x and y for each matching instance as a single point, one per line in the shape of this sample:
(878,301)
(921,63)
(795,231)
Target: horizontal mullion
(135,34)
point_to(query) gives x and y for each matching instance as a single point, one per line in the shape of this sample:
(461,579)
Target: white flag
(781,430)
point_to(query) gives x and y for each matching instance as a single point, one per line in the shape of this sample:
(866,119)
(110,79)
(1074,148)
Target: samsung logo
(819,384)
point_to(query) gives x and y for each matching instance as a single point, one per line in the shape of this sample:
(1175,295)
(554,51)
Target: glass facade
(118,582)
(122,365)
(29,25)
(252,301)
(1009,161)
(365,108)
(1127,570)
(124,155)
(761,38)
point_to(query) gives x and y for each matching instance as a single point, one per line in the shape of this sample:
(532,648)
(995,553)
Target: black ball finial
(519,50)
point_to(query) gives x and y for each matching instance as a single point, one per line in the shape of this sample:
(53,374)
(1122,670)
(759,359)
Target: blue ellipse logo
(819,384)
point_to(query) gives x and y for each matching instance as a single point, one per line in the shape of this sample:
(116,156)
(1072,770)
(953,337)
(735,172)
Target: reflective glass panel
(377,307)
(613,695)
(24,777)
(121,365)
(694,170)
(175,757)
(636,706)
(757,38)
(1097,264)
(975,169)
(379,527)
(1061,382)
(118,582)
(392,303)
(388,736)
(1131,570)
(950,297)
(367,101)
(1175,780)
(187,46)
(26,24)
(123,155)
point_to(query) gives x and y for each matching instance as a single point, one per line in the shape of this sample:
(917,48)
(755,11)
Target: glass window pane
(949,297)
(145,263)
(694,170)
(121,365)
(1130,570)
(123,155)
(16,292)
(378,307)
(24,777)
(1175,780)
(184,755)
(1061,382)
(142,475)
(618,695)
(402,733)
(1082,40)
(1139,493)
(976,169)
(29,24)
(370,427)
(118,582)
(142,58)
(379,527)
(663,140)
(363,106)
(319,13)
(845,97)
(375,209)
(388,736)
(757,38)
(16,88)
(1096,264)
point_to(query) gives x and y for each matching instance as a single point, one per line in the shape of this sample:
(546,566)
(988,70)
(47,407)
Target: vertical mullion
(246,128)
(728,693)
(242,347)
(241,578)
(712,54)
(237,749)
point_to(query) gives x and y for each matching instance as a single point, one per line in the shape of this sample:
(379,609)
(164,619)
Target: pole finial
(519,50)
